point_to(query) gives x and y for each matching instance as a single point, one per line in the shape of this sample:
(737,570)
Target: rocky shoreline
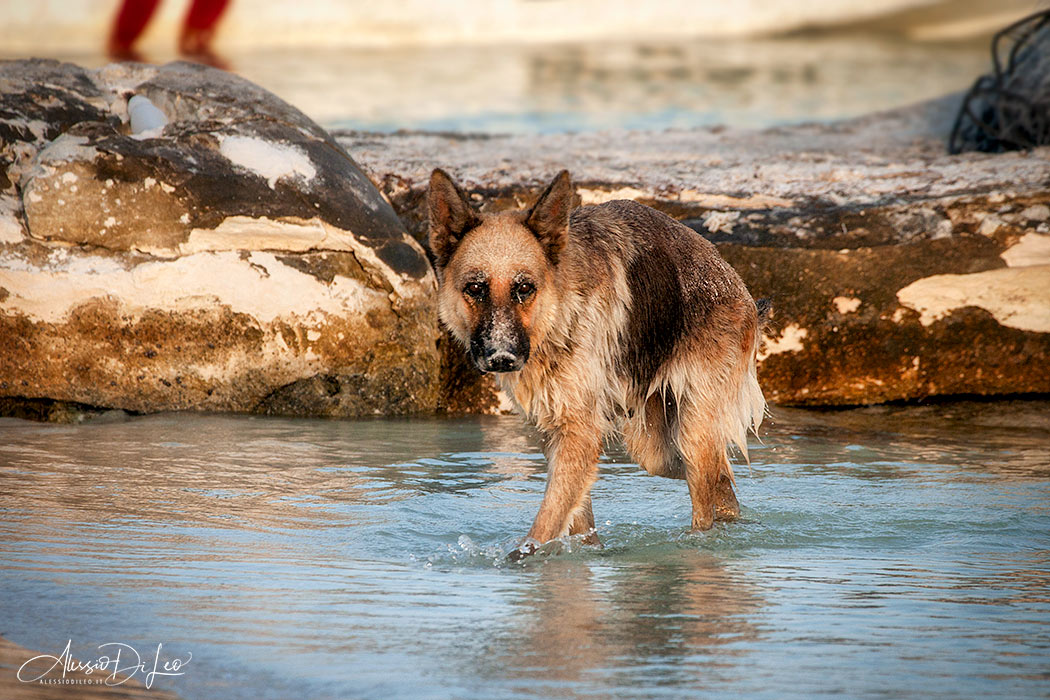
(897,272)
(239,259)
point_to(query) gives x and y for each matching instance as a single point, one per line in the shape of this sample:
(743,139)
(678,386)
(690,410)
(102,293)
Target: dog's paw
(590,538)
(525,549)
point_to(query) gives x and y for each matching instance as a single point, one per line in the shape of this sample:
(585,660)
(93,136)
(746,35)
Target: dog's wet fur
(603,320)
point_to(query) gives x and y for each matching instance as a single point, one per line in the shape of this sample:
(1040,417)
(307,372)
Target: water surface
(883,552)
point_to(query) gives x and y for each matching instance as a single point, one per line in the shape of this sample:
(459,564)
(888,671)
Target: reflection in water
(680,619)
(559,633)
(261,473)
(880,550)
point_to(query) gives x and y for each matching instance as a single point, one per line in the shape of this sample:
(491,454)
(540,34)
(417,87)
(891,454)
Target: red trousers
(134,15)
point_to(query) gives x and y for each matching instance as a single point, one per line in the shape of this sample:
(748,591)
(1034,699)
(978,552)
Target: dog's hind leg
(652,439)
(649,436)
(702,470)
(707,469)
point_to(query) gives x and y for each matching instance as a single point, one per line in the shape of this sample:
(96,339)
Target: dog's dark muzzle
(501,362)
(503,354)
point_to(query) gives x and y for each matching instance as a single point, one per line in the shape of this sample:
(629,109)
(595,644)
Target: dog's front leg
(572,467)
(583,523)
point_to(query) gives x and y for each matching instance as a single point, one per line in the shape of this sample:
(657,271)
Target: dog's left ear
(549,217)
(451,216)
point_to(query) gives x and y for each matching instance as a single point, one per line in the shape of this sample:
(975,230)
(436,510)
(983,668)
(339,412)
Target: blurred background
(555,65)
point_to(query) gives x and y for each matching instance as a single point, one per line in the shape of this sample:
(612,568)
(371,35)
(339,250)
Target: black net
(1009,109)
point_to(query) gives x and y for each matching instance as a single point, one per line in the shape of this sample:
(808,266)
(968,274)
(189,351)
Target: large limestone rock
(896,271)
(232,258)
(238,259)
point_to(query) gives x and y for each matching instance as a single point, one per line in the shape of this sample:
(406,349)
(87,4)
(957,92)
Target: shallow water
(883,552)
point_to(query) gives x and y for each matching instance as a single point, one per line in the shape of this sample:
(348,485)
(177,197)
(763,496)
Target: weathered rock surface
(235,258)
(896,271)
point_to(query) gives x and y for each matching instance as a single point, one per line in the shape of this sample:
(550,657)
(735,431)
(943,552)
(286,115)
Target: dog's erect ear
(549,217)
(451,216)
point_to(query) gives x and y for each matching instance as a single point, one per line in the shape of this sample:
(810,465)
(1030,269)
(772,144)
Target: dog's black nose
(503,361)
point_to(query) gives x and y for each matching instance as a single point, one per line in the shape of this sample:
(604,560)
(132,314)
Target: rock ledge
(896,271)
(227,255)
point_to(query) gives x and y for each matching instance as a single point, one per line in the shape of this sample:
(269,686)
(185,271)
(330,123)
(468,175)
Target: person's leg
(131,20)
(199,29)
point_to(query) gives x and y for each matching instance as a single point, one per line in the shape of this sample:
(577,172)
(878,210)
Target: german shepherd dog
(603,320)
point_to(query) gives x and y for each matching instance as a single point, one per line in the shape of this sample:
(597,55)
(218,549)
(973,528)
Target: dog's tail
(751,404)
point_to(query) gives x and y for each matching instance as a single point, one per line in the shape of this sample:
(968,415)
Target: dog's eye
(524,290)
(475,290)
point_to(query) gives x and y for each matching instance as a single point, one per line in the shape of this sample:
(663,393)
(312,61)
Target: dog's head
(498,272)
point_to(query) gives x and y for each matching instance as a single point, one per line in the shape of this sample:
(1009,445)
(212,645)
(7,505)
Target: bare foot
(195,45)
(120,52)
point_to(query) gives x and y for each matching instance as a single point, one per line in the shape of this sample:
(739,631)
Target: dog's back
(683,326)
(678,287)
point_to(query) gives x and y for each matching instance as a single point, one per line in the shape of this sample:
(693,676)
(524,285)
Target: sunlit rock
(896,271)
(214,250)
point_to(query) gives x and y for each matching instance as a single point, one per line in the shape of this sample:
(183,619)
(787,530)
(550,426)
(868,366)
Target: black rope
(1009,109)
